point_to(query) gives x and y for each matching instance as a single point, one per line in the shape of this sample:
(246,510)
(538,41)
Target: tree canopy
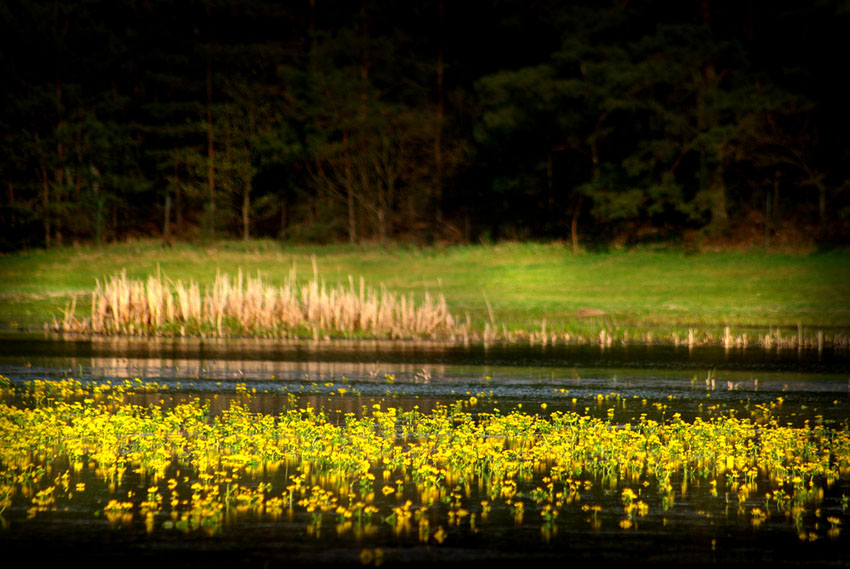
(327,120)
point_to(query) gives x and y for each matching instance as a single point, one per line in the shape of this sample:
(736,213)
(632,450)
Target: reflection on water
(424,373)
(273,359)
(426,352)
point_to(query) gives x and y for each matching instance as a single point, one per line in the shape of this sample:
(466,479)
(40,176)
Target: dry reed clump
(246,305)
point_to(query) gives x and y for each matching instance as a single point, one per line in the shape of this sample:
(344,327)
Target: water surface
(621,382)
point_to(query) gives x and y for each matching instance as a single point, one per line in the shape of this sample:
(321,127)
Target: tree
(662,113)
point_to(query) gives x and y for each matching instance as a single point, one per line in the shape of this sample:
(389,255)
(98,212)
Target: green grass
(662,292)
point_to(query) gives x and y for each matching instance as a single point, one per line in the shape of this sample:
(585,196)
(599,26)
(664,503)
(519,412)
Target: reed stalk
(240,304)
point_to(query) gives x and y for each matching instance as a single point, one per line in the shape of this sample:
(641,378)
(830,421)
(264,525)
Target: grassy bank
(514,290)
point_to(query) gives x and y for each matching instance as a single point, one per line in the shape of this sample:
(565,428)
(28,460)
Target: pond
(639,454)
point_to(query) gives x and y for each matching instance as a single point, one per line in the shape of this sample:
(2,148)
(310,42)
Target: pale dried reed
(240,304)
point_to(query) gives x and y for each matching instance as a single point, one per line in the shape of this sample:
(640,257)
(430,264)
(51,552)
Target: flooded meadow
(366,453)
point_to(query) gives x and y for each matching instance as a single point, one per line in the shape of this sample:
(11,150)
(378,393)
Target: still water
(620,384)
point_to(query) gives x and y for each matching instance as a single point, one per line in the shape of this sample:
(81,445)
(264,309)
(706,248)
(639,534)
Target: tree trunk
(717,200)
(349,193)
(382,228)
(11,222)
(438,150)
(210,154)
(352,216)
(246,209)
(100,201)
(776,212)
(768,213)
(178,201)
(166,228)
(574,225)
(45,201)
(60,168)
(365,64)
(821,205)
(59,30)
(388,215)
(283,206)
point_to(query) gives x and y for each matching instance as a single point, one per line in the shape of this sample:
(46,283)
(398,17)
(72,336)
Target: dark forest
(625,122)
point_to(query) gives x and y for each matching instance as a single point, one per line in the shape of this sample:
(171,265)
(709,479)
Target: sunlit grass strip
(241,305)
(402,467)
(636,297)
(246,306)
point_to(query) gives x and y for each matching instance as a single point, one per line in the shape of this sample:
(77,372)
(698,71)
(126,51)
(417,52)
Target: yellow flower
(440,535)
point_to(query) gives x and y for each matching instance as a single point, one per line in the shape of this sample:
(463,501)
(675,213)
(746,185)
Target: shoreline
(777,338)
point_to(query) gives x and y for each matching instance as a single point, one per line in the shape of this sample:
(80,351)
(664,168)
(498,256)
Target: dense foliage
(326,120)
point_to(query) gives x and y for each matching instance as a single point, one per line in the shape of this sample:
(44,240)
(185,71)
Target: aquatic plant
(407,472)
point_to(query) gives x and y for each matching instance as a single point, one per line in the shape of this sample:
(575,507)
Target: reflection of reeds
(246,305)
